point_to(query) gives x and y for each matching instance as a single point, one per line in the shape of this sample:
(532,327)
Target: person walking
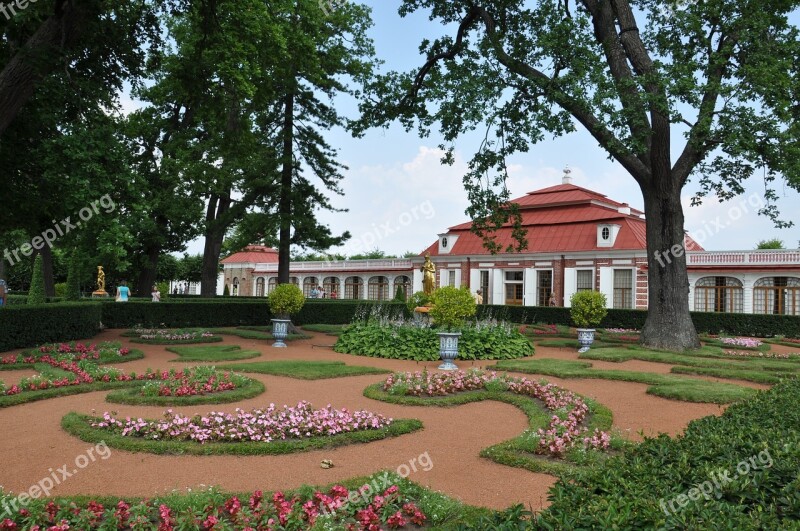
(123,292)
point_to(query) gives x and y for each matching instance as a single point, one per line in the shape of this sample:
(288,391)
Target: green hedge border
(133,398)
(23,326)
(78,425)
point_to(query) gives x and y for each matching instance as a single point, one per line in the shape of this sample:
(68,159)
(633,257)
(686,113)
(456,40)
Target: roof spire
(567,179)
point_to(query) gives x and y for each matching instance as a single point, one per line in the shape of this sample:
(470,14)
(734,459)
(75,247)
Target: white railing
(341,265)
(724,258)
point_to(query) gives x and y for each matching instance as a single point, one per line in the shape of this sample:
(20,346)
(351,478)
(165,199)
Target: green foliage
(226,292)
(304,370)
(286,300)
(765,428)
(78,425)
(73,288)
(25,325)
(36,293)
(399,294)
(408,342)
(215,353)
(774,243)
(60,289)
(246,388)
(163,288)
(588,308)
(451,306)
(416,300)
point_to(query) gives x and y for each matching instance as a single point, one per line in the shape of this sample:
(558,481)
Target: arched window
(260,287)
(309,283)
(378,289)
(779,295)
(271,283)
(719,294)
(295,281)
(353,288)
(235,291)
(404,283)
(331,287)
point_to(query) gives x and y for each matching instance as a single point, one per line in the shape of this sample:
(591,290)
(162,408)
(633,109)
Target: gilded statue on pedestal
(428,276)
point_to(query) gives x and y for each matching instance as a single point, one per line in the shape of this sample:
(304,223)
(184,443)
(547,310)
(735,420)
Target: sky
(399,196)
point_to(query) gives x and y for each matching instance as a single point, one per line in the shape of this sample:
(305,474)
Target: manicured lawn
(304,370)
(330,329)
(213,353)
(663,385)
(254,332)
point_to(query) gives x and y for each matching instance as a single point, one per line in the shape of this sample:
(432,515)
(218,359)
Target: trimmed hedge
(26,326)
(739,324)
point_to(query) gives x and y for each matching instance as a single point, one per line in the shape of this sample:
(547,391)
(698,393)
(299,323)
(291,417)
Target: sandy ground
(443,456)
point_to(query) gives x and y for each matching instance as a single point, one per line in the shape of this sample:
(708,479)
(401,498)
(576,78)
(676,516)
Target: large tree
(671,90)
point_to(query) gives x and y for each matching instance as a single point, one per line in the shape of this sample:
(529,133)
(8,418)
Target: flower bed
(365,508)
(192,382)
(744,342)
(163,336)
(258,425)
(103,353)
(755,354)
(567,424)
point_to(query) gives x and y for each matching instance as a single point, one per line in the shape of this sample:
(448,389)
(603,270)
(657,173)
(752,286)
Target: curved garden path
(33,442)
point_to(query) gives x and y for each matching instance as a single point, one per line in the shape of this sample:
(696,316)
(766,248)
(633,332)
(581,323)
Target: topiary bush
(73,288)
(451,306)
(588,308)
(286,300)
(36,293)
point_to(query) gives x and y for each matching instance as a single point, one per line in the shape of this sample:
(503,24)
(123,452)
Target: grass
(133,354)
(330,329)
(663,385)
(303,370)
(213,353)
(735,374)
(133,396)
(78,425)
(254,332)
(519,451)
(573,343)
(706,357)
(199,339)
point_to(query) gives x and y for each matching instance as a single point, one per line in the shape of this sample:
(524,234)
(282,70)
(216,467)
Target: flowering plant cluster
(171,335)
(74,351)
(567,424)
(746,342)
(621,331)
(84,372)
(547,330)
(192,381)
(258,425)
(759,354)
(790,340)
(339,508)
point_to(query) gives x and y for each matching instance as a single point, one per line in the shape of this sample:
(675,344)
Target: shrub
(29,325)
(36,294)
(73,287)
(755,443)
(588,308)
(416,300)
(286,300)
(399,294)
(451,306)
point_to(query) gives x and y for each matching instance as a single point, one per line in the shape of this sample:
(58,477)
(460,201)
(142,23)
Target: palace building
(578,239)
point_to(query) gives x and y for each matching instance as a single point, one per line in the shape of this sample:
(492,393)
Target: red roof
(253,254)
(562,218)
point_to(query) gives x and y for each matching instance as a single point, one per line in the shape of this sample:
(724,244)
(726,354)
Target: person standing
(479,297)
(156,294)
(123,292)
(552,301)
(2,292)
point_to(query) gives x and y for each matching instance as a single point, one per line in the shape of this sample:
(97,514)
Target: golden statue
(101,283)
(428,276)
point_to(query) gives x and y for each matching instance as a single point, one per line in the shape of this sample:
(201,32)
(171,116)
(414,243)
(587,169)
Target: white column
(570,284)
(498,294)
(607,285)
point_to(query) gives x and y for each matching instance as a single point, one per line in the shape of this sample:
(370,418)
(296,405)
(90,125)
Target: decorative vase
(448,350)
(585,338)
(280,329)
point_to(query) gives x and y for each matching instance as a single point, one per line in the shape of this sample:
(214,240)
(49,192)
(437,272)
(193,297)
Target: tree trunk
(147,276)
(215,234)
(36,59)
(47,269)
(285,201)
(669,325)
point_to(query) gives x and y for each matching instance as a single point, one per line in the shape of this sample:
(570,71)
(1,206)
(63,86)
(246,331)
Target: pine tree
(36,294)
(73,281)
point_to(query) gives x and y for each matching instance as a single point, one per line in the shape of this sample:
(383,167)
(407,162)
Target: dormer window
(607,235)
(446,242)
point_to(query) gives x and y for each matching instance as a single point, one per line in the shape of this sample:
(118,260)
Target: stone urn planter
(448,350)
(280,329)
(587,309)
(585,338)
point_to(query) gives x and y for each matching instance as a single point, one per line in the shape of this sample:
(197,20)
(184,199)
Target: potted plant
(587,309)
(451,306)
(285,300)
